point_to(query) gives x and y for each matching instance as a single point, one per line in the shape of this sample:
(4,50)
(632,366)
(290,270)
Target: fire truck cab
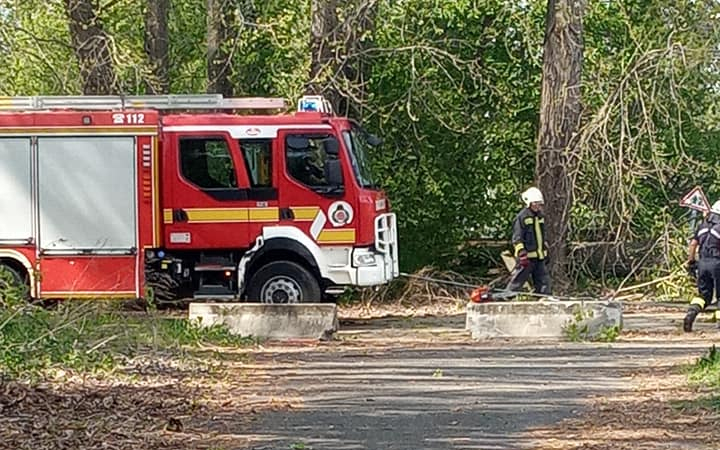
(176,197)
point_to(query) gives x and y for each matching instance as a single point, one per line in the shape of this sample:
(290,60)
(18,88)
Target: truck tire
(284,282)
(13,280)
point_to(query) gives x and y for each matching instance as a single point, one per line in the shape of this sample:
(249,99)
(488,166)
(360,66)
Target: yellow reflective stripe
(342,236)
(698,301)
(226,215)
(532,255)
(217,215)
(305,213)
(539,238)
(264,214)
(518,248)
(528,221)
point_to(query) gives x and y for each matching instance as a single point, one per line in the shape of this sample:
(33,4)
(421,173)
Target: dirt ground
(391,382)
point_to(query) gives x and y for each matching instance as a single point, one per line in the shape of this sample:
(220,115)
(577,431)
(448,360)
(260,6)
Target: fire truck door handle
(179,215)
(286,214)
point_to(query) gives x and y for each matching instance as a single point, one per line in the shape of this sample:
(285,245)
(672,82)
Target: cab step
(217,278)
(213,291)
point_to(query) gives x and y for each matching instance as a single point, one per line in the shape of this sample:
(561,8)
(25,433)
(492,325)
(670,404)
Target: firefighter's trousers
(708,284)
(708,281)
(540,277)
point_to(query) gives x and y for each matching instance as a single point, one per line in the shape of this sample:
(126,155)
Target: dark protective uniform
(708,268)
(528,240)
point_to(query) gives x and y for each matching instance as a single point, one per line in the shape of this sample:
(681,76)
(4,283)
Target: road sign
(696,199)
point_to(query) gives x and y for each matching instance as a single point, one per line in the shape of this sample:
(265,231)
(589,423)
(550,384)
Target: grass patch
(91,336)
(705,373)
(578,329)
(706,370)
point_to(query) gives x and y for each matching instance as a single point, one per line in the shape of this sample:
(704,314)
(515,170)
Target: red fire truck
(189,196)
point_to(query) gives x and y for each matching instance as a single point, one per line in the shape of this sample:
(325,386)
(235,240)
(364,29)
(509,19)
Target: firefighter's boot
(692,313)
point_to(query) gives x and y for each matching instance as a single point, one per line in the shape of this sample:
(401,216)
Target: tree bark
(323,43)
(339,69)
(92,49)
(221,21)
(357,68)
(560,113)
(156,46)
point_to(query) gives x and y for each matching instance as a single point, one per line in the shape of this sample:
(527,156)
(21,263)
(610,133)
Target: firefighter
(706,242)
(528,240)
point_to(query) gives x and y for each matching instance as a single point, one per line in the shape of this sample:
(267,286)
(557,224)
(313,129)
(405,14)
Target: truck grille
(386,243)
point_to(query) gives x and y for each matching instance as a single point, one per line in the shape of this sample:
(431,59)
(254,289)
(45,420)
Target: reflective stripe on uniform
(715,233)
(698,301)
(518,248)
(539,238)
(703,231)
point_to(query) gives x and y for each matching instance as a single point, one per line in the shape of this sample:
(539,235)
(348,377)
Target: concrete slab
(546,319)
(270,321)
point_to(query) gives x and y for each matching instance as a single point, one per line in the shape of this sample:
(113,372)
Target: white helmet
(715,207)
(533,195)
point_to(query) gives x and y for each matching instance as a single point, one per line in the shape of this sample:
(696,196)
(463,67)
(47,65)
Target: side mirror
(331,146)
(373,140)
(333,172)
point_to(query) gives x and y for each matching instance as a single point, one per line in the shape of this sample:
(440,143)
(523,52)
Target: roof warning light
(314,103)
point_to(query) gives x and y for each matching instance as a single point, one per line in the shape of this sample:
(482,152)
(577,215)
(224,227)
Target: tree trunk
(92,48)
(360,28)
(220,20)
(560,111)
(156,46)
(323,43)
(339,69)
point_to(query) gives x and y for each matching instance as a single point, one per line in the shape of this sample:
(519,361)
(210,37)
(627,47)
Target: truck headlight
(364,259)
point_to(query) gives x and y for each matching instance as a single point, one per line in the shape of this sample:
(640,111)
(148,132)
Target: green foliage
(706,369)
(456,102)
(454,90)
(578,329)
(608,334)
(91,336)
(705,372)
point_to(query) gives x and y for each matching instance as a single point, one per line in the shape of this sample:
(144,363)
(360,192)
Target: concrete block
(270,321)
(546,319)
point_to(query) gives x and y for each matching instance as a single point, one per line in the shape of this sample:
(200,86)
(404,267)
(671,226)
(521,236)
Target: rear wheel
(13,282)
(283,282)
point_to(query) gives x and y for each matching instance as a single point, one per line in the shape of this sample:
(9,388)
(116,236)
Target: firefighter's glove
(523,260)
(691,268)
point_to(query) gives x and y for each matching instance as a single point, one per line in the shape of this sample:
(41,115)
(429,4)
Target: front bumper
(379,265)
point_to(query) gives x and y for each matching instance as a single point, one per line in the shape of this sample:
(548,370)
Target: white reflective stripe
(715,233)
(703,231)
(245,131)
(318,224)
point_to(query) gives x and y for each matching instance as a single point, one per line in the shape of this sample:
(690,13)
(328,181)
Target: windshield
(357,144)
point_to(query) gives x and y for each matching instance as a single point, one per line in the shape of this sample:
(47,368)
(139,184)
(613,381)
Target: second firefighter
(528,240)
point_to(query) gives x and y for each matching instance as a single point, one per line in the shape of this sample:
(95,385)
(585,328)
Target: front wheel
(284,282)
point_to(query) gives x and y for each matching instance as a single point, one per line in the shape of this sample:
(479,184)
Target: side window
(313,160)
(207,163)
(258,158)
